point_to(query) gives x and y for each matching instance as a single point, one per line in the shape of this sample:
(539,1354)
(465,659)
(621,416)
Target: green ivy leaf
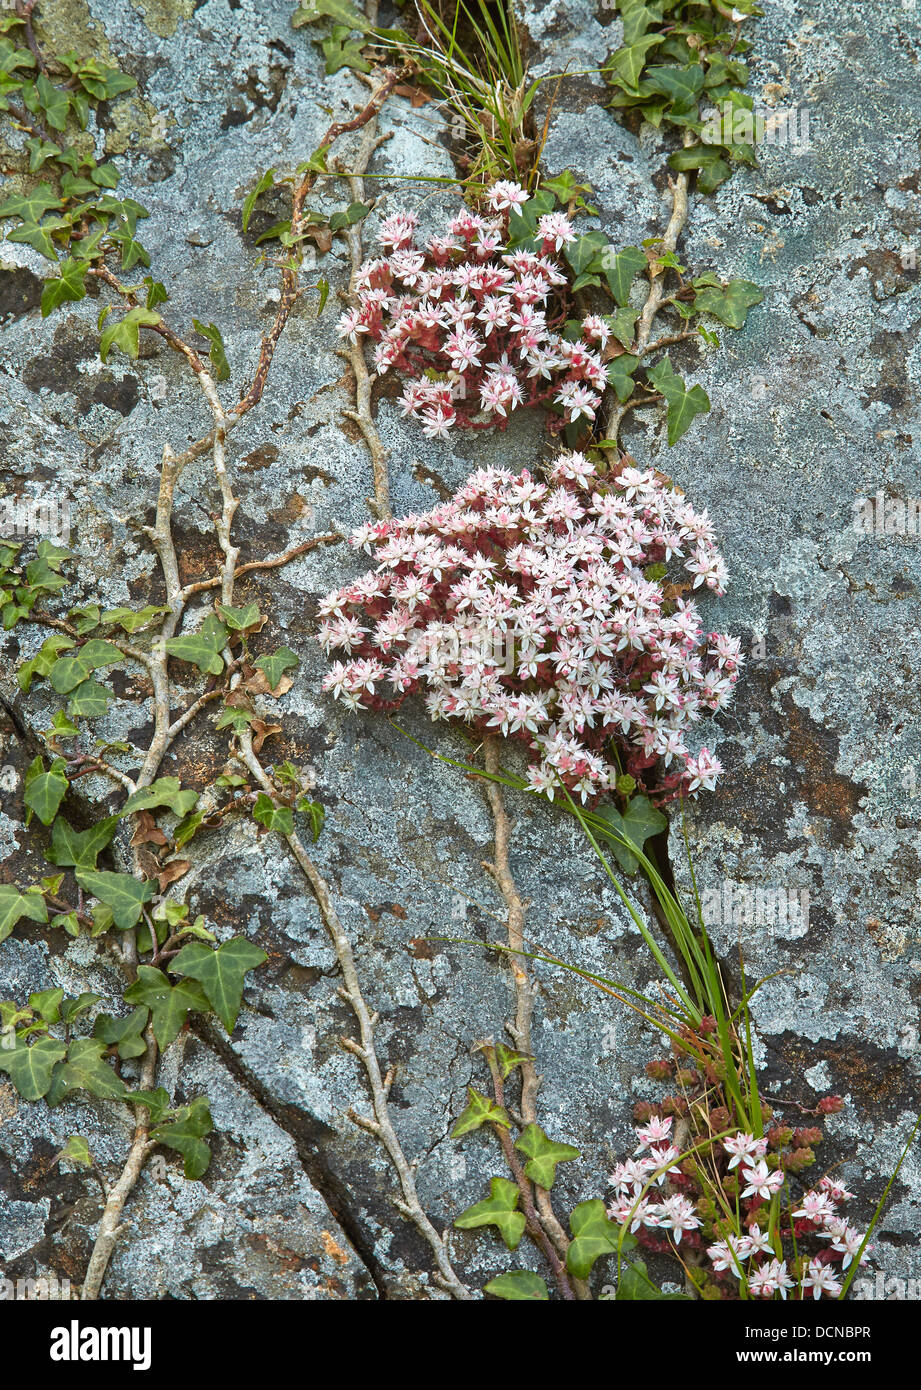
(89,700)
(69,287)
(217,354)
(43,660)
(79,849)
(76,1004)
(349,216)
(508,1059)
(342,11)
(86,1070)
(275,666)
(125,1034)
(123,893)
(683,404)
(186,828)
(47,1004)
(519,1286)
(77,1150)
(681,85)
(316,813)
(220,973)
(165,791)
(169,1004)
(266,182)
(203,648)
(130,619)
(728,303)
(125,334)
(480,1110)
(594,1235)
(239,619)
(31,207)
(184,1133)
(627,63)
(637,824)
(30,1068)
(44,791)
(341,52)
(543,1155)
(620,375)
(280,818)
(15,905)
(621,270)
(70,671)
(498,1209)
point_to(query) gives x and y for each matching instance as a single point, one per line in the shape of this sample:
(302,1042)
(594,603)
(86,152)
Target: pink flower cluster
(474,325)
(749,1256)
(529,608)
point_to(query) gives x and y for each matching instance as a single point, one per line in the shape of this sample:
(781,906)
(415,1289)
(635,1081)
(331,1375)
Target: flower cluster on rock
(476,326)
(541,610)
(749,1255)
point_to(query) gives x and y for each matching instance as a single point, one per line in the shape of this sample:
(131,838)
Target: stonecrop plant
(476,323)
(541,611)
(724,1209)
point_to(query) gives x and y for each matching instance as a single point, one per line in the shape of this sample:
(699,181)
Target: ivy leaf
(31,207)
(635,1284)
(220,973)
(583,253)
(130,619)
(203,648)
(169,1004)
(217,354)
(340,52)
(125,334)
(157,1102)
(729,303)
(38,235)
(683,405)
(342,11)
(682,85)
(76,1004)
(280,818)
(43,660)
(186,828)
(266,182)
(479,1111)
(30,1068)
(47,1004)
(123,893)
(89,700)
(627,63)
(621,270)
(519,1286)
(508,1059)
(239,619)
(622,325)
(619,373)
(275,666)
(316,813)
(349,216)
(39,152)
(594,1235)
(69,287)
(498,1209)
(44,791)
(70,671)
(77,1150)
(86,1070)
(79,849)
(543,1155)
(637,824)
(185,1132)
(125,1034)
(165,791)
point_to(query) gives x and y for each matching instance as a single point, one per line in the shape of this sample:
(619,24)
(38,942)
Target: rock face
(812,408)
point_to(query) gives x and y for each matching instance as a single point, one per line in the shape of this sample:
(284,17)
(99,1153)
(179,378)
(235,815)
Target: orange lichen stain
(331,1248)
